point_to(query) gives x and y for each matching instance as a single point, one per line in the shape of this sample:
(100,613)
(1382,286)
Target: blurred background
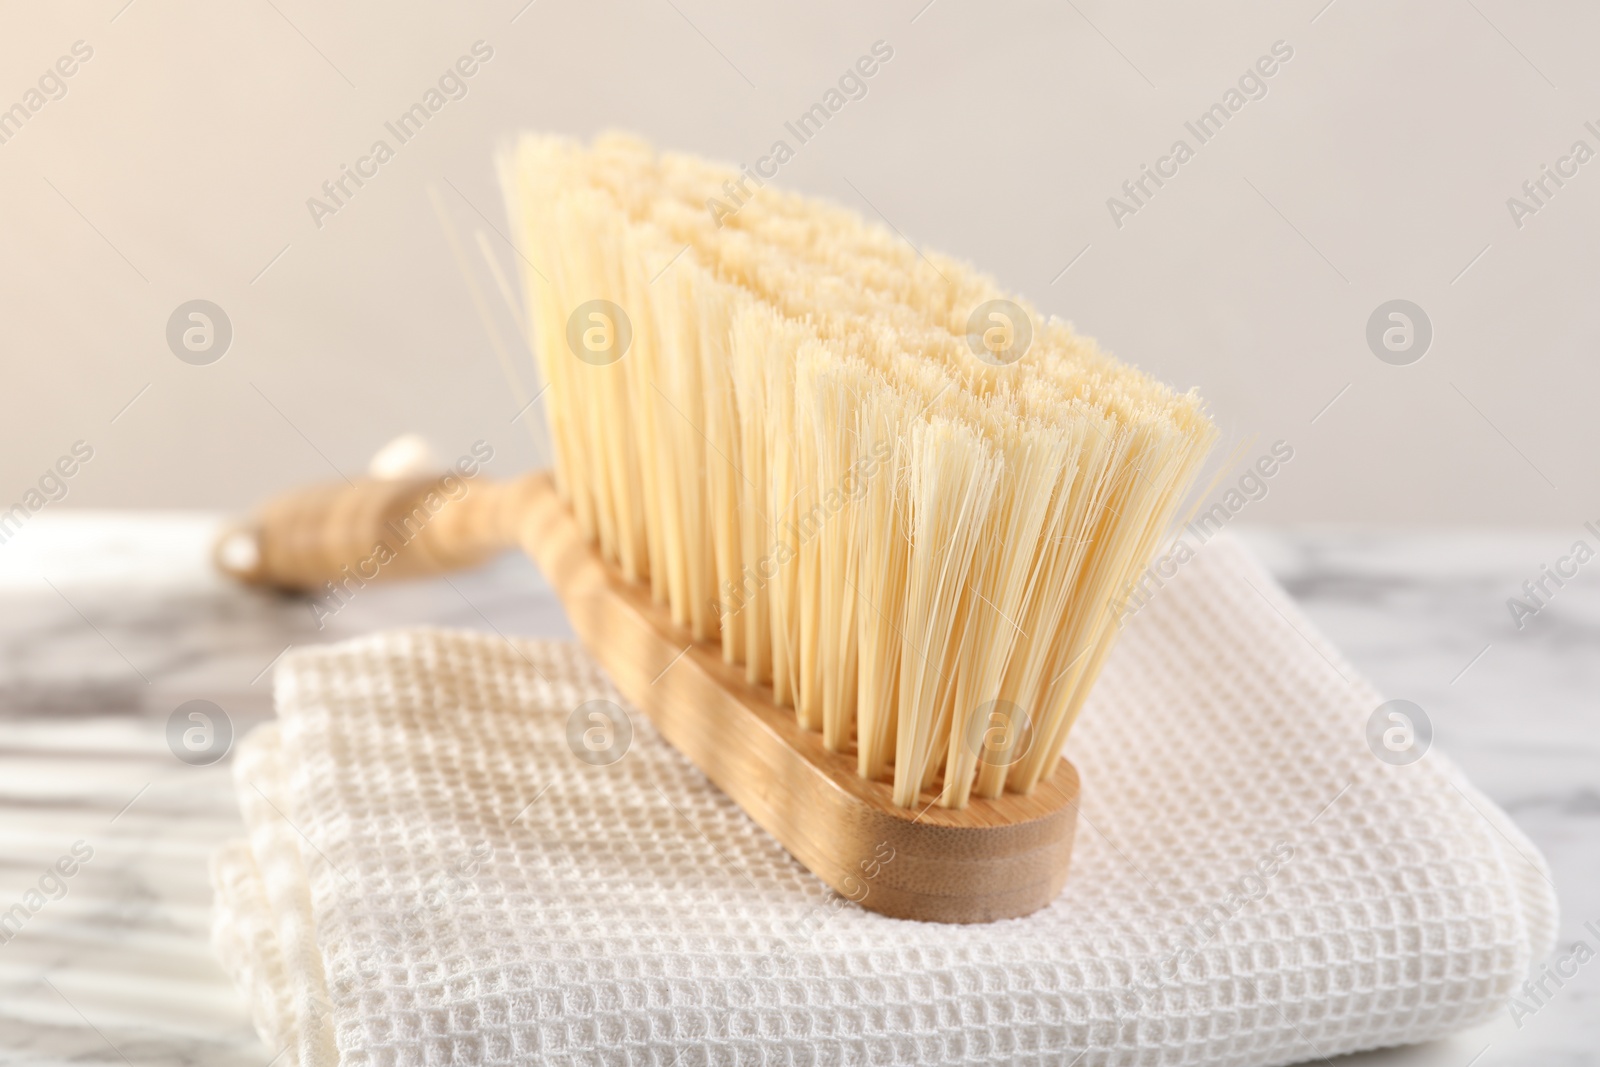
(1374,164)
(1347,162)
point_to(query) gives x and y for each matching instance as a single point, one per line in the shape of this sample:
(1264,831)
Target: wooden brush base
(993,859)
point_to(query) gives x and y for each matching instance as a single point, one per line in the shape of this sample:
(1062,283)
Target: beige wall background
(177,160)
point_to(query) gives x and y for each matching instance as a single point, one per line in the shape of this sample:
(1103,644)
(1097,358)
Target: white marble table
(108,622)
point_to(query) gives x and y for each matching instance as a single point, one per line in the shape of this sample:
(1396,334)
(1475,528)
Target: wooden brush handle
(993,859)
(373,529)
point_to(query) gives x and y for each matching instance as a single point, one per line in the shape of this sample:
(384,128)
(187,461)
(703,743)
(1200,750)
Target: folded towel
(433,875)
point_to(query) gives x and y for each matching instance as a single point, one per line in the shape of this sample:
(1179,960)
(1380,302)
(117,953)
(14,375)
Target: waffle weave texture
(432,877)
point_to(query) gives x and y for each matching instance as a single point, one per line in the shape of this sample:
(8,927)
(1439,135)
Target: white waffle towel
(432,876)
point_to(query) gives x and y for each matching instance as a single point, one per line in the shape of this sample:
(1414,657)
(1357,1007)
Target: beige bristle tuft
(921,546)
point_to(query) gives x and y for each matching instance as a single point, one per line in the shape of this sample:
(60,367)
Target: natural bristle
(899,497)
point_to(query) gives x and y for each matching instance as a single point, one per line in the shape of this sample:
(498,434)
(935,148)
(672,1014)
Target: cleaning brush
(886,512)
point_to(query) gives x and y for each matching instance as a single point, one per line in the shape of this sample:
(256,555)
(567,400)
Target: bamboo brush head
(905,504)
(850,525)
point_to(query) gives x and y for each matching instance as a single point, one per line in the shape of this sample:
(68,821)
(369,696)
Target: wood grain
(994,859)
